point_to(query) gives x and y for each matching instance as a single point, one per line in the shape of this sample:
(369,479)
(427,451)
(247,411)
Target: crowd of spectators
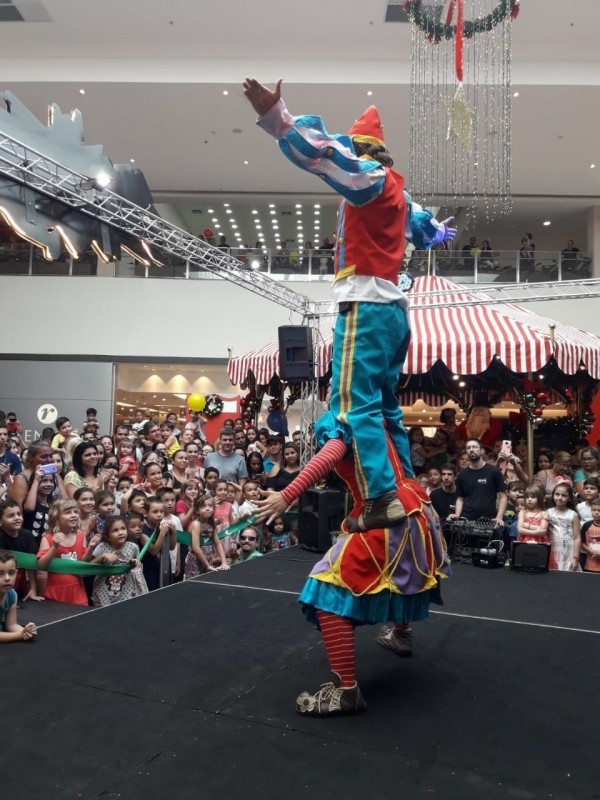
(126,498)
(558,505)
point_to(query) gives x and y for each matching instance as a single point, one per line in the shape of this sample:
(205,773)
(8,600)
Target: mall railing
(465,268)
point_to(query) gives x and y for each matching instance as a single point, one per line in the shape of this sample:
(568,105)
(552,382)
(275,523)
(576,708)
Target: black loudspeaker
(321,512)
(295,353)
(530,556)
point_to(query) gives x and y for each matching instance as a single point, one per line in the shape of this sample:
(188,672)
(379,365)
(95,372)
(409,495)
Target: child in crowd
(224,518)
(279,536)
(211,476)
(134,524)
(126,456)
(423,481)
(86,503)
(515,501)
(10,630)
(14,537)
(167,495)
(184,508)
(206,553)
(565,537)
(590,539)
(435,478)
(105,508)
(234,497)
(133,500)
(42,486)
(250,494)
(116,549)
(591,490)
(157,557)
(533,519)
(65,541)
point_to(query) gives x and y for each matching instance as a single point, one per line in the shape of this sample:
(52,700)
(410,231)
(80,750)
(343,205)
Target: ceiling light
(592,166)
(515,94)
(272,211)
(271,205)
(225,92)
(102,180)
(547,222)
(211,211)
(226,205)
(317,205)
(298,205)
(132,160)
(234,227)
(217,225)
(317,213)
(369,93)
(229,211)
(82,91)
(215,219)
(245,162)
(298,213)
(259,227)
(254,211)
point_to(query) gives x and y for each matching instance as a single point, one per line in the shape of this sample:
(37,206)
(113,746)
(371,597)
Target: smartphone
(49,469)
(507,447)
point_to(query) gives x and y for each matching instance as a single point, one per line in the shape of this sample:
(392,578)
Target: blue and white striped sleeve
(422,228)
(306,143)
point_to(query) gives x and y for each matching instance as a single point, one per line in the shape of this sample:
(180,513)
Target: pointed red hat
(368,127)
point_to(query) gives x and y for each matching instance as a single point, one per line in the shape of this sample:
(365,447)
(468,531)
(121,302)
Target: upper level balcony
(317,265)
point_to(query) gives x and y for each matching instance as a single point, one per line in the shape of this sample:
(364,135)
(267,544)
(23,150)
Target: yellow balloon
(196,402)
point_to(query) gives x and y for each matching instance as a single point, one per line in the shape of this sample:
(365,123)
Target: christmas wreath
(214,405)
(446,30)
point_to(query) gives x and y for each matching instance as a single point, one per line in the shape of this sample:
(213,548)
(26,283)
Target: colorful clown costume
(385,575)
(372,334)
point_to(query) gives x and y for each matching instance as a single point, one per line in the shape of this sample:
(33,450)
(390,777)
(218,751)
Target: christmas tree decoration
(461,103)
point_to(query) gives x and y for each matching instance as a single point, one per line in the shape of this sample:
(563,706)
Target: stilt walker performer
(371,339)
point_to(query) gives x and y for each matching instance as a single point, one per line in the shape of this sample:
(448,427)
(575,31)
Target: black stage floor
(189,693)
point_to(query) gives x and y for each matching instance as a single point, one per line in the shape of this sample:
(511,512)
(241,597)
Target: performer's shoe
(332,699)
(380,512)
(399,642)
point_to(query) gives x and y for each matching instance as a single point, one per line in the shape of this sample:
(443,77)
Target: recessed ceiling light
(225,92)
(215,219)
(298,205)
(217,225)
(229,211)
(547,222)
(259,227)
(298,213)
(245,162)
(271,205)
(592,166)
(234,227)
(226,205)
(272,211)
(515,94)
(132,160)
(211,211)
(317,205)
(317,213)
(254,211)
(369,93)
(82,91)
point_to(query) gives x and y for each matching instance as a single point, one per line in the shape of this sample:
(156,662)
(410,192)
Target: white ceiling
(154,74)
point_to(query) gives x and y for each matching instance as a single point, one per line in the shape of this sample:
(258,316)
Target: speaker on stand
(321,512)
(295,353)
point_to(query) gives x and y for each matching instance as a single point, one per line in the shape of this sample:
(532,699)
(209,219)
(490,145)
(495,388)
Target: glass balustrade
(475,267)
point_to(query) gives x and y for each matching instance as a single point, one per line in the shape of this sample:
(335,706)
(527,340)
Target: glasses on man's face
(247,538)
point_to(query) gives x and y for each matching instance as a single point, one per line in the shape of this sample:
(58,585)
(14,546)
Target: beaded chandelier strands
(460,103)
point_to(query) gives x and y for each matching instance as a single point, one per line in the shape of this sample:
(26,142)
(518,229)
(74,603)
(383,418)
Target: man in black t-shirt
(481,491)
(444,499)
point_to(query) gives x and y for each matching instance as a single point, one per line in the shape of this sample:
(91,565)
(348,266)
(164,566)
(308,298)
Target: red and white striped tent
(466,338)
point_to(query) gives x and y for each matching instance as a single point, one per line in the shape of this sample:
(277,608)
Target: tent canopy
(466,339)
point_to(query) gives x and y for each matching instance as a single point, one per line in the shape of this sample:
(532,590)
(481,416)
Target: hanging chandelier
(460,103)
